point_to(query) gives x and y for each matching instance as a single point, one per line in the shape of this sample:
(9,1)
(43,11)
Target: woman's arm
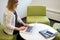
(8,23)
(21,28)
(20,21)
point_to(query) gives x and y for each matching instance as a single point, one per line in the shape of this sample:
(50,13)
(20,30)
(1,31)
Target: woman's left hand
(26,25)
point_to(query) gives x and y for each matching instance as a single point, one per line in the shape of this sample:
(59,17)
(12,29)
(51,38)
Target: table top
(34,35)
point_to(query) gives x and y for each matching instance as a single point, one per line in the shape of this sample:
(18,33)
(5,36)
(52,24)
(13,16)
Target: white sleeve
(19,19)
(9,22)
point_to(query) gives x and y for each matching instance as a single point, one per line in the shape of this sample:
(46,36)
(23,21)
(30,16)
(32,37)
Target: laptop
(29,29)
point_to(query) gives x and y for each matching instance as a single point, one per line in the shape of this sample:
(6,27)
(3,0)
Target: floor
(24,20)
(53,21)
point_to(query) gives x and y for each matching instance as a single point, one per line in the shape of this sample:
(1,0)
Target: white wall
(53,7)
(51,4)
(2,8)
(21,9)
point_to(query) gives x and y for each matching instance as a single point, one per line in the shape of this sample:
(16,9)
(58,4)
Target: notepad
(47,34)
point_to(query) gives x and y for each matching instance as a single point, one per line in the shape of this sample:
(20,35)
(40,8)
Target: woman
(12,21)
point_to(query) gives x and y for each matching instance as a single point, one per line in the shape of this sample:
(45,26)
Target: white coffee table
(34,34)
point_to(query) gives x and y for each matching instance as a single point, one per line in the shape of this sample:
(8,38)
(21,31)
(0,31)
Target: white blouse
(9,22)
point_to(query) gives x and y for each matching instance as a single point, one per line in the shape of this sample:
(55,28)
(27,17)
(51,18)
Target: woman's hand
(20,28)
(26,25)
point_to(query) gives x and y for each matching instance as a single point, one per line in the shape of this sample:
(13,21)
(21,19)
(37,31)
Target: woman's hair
(11,4)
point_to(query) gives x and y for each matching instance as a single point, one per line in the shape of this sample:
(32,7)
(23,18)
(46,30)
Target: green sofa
(4,36)
(37,14)
(56,26)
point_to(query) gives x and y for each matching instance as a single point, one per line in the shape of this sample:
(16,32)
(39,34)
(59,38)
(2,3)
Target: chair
(37,14)
(56,26)
(4,36)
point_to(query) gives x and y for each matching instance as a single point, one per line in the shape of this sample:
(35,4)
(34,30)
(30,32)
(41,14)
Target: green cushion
(56,26)
(39,19)
(4,36)
(36,11)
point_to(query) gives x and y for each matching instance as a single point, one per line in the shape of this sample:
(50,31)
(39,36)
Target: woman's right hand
(20,28)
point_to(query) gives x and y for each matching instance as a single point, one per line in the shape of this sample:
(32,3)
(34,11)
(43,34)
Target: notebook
(47,34)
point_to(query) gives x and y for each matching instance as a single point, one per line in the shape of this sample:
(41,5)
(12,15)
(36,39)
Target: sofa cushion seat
(4,36)
(56,26)
(39,19)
